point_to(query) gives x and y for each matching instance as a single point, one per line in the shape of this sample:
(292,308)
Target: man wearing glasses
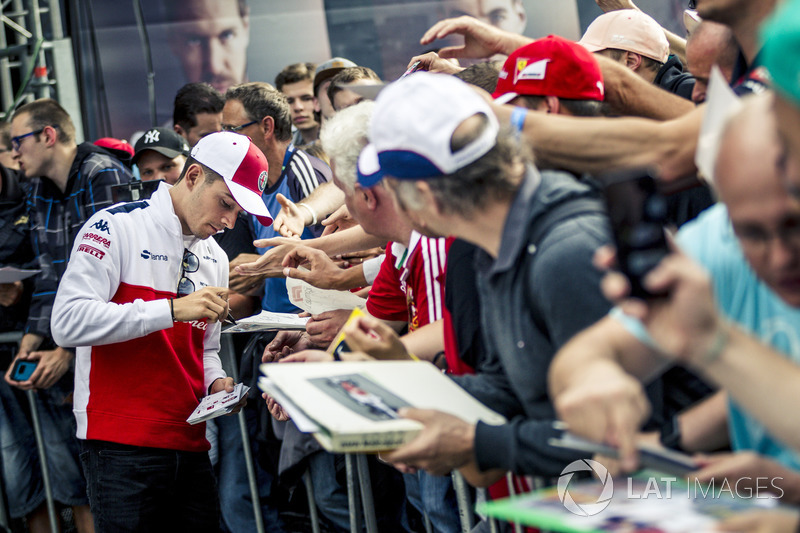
(143,298)
(69,182)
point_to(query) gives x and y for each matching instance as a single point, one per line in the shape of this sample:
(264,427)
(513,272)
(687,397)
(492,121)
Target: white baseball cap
(243,166)
(413,123)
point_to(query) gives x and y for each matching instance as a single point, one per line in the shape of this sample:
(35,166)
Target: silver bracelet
(313,213)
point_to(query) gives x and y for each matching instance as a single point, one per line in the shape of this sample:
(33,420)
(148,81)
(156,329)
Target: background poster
(380,34)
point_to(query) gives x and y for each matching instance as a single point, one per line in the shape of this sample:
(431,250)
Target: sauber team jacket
(138,374)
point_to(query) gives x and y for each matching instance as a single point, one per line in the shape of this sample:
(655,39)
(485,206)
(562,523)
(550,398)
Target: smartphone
(638,215)
(22,370)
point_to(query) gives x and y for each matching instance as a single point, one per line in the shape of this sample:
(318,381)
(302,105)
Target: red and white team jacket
(138,375)
(410,284)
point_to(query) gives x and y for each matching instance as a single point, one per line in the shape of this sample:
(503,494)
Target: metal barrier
(229,354)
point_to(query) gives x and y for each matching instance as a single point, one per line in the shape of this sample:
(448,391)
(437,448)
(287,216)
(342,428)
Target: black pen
(230,319)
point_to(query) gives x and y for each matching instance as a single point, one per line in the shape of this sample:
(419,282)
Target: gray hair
(343,137)
(496,176)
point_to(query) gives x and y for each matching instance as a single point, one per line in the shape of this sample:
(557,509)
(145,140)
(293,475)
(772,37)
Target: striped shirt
(410,285)
(300,176)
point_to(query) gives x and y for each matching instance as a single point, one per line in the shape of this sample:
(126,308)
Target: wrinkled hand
(322,271)
(308,356)
(322,328)
(291,220)
(372,336)
(227,385)
(357,258)
(275,409)
(433,63)
(285,343)
(10,293)
(338,220)
(481,40)
(606,405)
(240,282)
(259,267)
(210,303)
(53,364)
(615,5)
(685,323)
(445,443)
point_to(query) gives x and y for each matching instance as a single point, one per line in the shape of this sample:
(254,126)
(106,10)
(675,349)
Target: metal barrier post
(367,502)
(512,492)
(463,500)
(312,505)
(352,497)
(230,356)
(48,489)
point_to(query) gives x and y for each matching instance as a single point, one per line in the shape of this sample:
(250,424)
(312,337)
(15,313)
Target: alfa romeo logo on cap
(262,180)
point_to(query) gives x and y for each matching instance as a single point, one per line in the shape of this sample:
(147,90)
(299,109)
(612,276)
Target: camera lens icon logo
(583,508)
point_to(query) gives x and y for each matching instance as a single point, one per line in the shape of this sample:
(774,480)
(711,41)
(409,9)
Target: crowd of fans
(466,206)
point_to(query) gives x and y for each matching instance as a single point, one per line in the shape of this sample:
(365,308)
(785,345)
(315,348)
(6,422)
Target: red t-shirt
(410,284)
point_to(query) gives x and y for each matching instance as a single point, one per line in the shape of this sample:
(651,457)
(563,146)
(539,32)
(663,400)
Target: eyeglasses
(237,129)
(189,264)
(16,141)
(758,240)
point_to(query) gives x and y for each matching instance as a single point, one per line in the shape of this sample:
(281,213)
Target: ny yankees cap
(162,140)
(413,123)
(243,166)
(552,66)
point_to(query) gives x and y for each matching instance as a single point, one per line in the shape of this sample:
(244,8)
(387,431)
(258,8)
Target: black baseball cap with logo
(162,140)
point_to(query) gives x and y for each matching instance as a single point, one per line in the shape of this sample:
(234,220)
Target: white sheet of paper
(266,321)
(12,274)
(303,423)
(722,103)
(316,301)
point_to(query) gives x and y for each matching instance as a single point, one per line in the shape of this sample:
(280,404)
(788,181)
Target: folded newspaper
(352,406)
(266,321)
(218,404)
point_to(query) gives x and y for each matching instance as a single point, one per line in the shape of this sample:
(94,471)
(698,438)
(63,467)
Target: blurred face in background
(210,40)
(507,15)
(155,166)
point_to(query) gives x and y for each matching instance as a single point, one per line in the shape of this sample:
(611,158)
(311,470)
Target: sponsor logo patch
(146,254)
(91,250)
(97,238)
(262,180)
(101,225)
(532,71)
(199,324)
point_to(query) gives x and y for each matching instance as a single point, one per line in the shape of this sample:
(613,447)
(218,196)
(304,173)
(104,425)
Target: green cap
(781,51)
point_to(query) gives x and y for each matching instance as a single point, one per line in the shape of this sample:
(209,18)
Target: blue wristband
(518,119)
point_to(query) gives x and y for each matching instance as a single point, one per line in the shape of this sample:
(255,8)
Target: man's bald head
(749,176)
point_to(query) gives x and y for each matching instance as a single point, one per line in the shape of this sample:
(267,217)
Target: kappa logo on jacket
(101,225)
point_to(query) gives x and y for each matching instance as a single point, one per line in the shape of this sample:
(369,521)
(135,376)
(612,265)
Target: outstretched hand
(481,40)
